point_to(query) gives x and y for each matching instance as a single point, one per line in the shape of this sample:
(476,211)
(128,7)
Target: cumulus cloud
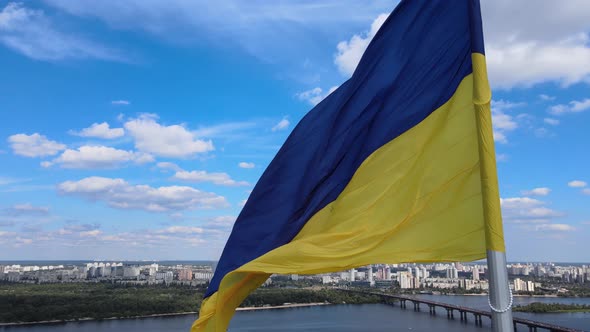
(550,121)
(31,33)
(545,97)
(34,145)
(502,122)
(181,230)
(527,210)
(537,192)
(530,62)
(526,42)
(577,184)
(165,141)
(92,233)
(118,193)
(120,102)
(244,164)
(555,227)
(574,106)
(283,124)
(168,165)
(100,130)
(98,157)
(501,157)
(350,52)
(26,209)
(222,179)
(316,95)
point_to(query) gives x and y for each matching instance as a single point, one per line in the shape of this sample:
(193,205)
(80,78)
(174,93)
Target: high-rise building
(424,272)
(387,273)
(185,274)
(519,285)
(475,273)
(130,271)
(352,274)
(370,275)
(153,269)
(417,272)
(404,279)
(452,273)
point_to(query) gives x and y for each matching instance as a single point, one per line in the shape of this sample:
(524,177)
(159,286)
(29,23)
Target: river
(332,318)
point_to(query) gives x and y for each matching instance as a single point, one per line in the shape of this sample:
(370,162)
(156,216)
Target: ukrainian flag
(396,165)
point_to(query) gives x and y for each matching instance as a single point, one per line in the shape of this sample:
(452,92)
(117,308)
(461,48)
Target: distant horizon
(214,261)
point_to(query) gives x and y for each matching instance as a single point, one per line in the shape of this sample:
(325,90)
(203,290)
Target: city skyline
(136,131)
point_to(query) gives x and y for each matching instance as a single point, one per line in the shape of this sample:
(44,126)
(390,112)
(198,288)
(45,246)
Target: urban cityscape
(526,278)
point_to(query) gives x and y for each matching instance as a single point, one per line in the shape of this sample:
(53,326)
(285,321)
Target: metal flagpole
(500,296)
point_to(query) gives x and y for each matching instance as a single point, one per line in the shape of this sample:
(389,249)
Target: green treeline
(538,307)
(275,297)
(71,301)
(32,303)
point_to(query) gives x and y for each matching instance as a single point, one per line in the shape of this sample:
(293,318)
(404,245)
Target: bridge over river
(520,324)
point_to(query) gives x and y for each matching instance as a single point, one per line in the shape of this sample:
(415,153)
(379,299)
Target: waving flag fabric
(396,165)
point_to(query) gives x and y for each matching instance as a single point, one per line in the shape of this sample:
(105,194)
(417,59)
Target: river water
(331,318)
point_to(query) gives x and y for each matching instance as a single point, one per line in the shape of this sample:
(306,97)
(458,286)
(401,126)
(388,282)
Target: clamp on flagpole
(508,307)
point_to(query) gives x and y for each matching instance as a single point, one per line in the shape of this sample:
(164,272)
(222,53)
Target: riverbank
(284,306)
(553,308)
(55,322)
(63,321)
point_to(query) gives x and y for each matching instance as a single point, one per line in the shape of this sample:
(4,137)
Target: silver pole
(500,295)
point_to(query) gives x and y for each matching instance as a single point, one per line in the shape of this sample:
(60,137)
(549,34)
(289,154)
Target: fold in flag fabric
(396,165)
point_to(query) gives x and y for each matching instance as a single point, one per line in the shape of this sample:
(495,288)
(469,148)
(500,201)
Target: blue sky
(136,129)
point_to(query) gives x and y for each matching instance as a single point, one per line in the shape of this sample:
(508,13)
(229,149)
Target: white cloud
(165,141)
(118,193)
(502,122)
(100,130)
(586,191)
(501,157)
(315,95)
(92,233)
(526,42)
(574,106)
(577,184)
(244,164)
(93,157)
(120,102)
(555,227)
(527,210)
(530,62)
(283,124)
(546,97)
(544,191)
(181,230)
(34,145)
(31,33)
(168,165)
(350,52)
(26,209)
(550,121)
(19,241)
(202,176)
(229,129)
